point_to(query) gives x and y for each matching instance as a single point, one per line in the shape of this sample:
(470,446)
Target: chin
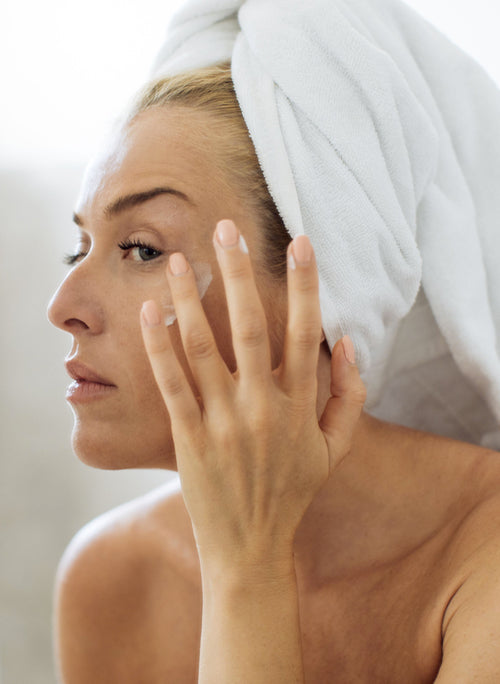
(107,450)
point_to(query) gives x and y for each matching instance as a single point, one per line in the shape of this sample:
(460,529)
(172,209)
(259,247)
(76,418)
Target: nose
(75,306)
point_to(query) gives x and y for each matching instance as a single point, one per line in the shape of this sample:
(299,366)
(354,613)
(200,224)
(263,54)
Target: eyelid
(131,244)
(82,249)
(72,259)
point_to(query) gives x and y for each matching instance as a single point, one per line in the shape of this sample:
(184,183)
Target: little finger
(343,408)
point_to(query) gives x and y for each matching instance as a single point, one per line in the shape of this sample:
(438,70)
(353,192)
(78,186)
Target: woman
(309,541)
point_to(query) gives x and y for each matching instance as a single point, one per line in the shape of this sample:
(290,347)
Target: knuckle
(304,396)
(308,283)
(256,407)
(157,347)
(184,290)
(237,269)
(225,434)
(172,385)
(199,345)
(259,423)
(251,330)
(358,394)
(307,336)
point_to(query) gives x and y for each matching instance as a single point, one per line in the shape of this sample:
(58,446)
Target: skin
(100,300)
(389,527)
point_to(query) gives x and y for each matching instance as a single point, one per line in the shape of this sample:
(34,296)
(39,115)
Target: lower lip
(83,392)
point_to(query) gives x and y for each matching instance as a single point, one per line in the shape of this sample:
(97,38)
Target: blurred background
(66,71)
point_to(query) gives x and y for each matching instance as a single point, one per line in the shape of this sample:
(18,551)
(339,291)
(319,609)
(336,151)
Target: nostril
(75,306)
(75,324)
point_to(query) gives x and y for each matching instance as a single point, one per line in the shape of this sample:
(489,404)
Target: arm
(471,628)
(250,627)
(251,457)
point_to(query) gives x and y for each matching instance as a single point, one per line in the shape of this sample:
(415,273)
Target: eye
(139,250)
(70,259)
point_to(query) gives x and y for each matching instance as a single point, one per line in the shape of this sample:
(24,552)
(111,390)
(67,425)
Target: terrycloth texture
(380,140)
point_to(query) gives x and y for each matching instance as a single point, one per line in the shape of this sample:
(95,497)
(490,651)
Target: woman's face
(99,301)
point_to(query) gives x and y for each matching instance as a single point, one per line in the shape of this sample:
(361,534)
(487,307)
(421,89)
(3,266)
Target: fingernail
(349,352)
(150,314)
(227,234)
(178,264)
(302,249)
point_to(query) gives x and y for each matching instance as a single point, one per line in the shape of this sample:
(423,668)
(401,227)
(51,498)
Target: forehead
(160,146)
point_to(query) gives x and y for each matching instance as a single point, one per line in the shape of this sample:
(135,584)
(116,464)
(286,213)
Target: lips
(88,386)
(81,373)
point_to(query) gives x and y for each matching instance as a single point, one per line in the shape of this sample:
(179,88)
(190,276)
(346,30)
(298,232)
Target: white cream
(203,275)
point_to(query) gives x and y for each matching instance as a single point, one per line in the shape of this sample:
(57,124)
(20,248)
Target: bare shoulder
(478,514)
(471,622)
(127,595)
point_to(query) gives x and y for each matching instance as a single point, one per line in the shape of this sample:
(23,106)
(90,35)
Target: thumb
(343,408)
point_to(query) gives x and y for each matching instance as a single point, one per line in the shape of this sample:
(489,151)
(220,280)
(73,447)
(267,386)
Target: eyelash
(126,245)
(70,259)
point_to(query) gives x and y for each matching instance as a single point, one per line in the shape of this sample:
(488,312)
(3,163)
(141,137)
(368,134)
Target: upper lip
(78,371)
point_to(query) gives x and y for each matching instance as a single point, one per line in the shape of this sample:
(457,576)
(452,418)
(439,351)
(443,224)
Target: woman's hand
(251,454)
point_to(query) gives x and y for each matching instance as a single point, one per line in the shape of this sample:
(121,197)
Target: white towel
(380,140)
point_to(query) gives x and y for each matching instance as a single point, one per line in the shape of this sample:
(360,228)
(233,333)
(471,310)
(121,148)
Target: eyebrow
(128,201)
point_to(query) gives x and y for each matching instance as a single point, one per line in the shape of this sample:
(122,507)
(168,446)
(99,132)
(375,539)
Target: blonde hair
(211,90)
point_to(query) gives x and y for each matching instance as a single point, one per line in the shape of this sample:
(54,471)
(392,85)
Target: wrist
(267,572)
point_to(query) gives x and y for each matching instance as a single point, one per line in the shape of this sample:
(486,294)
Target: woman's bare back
(130,599)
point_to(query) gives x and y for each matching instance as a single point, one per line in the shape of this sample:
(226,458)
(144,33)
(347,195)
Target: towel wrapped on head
(380,140)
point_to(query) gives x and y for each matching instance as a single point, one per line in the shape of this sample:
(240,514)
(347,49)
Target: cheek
(135,431)
(132,430)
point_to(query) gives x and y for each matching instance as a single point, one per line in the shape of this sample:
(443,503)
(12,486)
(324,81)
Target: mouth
(87,384)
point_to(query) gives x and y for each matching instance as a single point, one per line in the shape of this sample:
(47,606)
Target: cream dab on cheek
(203,275)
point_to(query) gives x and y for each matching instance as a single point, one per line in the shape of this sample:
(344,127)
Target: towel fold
(379,139)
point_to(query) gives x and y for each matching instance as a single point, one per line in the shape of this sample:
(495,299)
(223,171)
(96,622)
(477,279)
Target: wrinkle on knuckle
(307,285)
(304,397)
(237,271)
(158,347)
(185,292)
(358,395)
(251,330)
(199,345)
(307,336)
(173,385)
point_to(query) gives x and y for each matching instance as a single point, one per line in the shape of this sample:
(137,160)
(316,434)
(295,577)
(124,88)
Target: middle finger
(246,313)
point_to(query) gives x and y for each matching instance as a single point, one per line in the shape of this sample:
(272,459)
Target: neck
(349,503)
(396,489)
(390,493)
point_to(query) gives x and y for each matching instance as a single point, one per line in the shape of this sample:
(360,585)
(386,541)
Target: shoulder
(471,621)
(120,575)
